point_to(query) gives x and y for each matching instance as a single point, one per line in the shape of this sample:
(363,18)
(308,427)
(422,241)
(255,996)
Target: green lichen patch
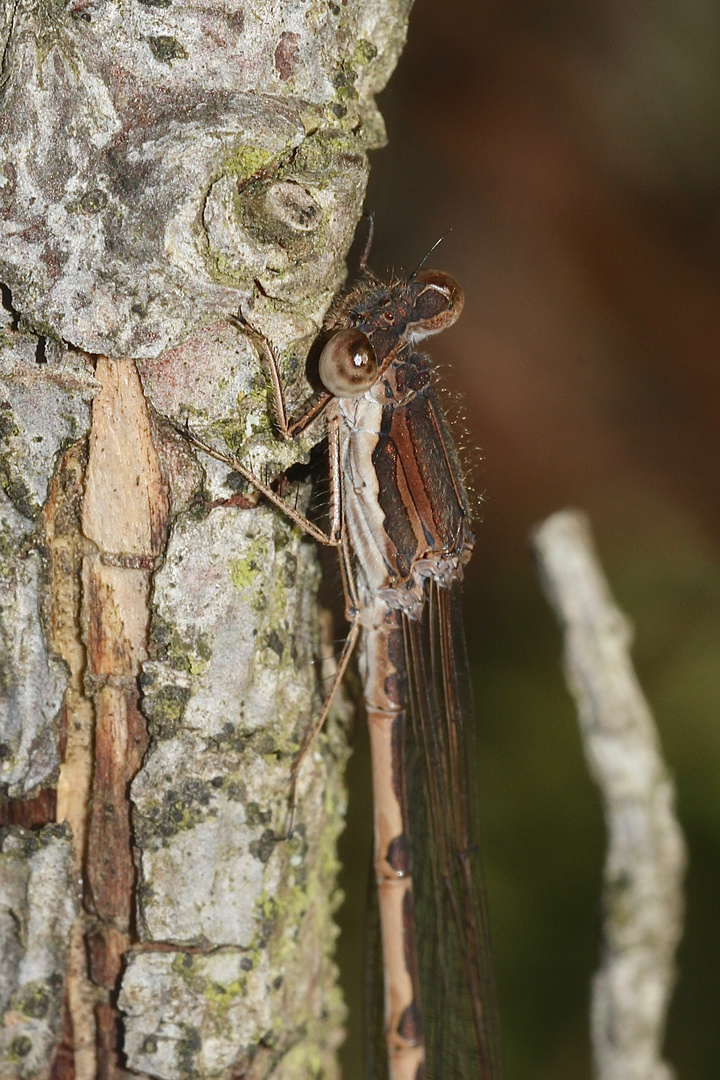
(28,842)
(8,427)
(149,1045)
(255,815)
(93,201)
(165,709)
(198,1010)
(246,161)
(343,79)
(145,893)
(244,571)
(364,52)
(188,966)
(188,1047)
(327,154)
(18,492)
(221,996)
(18,1049)
(34,999)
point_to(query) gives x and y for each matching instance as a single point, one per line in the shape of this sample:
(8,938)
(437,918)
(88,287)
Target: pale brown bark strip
(115,507)
(64,541)
(645,863)
(124,514)
(125,505)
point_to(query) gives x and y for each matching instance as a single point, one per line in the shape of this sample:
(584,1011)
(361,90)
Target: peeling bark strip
(124,515)
(645,863)
(108,505)
(216,161)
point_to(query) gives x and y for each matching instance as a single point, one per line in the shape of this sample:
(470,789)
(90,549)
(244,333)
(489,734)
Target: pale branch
(645,862)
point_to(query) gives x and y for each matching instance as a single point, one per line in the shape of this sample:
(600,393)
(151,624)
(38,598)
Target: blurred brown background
(574,150)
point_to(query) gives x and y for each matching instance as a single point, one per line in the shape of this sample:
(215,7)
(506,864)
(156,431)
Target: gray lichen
(43,407)
(37,908)
(229,694)
(136,226)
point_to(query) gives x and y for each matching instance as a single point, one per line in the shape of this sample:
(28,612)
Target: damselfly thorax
(399,517)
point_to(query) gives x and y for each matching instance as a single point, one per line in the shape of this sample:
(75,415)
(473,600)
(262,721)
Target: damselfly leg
(332,538)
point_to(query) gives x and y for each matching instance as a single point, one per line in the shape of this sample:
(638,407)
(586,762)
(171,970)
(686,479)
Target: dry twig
(645,861)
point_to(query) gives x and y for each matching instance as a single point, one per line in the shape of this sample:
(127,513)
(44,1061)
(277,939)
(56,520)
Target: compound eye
(348,365)
(439,303)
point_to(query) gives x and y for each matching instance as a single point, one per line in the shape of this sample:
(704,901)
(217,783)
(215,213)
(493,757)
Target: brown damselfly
(399,518)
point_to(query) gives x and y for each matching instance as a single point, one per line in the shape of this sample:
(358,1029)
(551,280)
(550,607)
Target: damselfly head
(348,366)
(387,316)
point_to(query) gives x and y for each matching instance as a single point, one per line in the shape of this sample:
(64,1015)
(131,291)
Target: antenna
(426,256)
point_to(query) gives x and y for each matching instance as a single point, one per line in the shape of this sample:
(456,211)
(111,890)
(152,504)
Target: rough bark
(165,165)
(645,863)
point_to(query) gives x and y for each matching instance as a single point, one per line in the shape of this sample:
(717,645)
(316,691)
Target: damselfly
(399,517)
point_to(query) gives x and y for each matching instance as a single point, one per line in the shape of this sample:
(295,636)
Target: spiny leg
(351,614)
(329,540)
(288,431)
(333,538)
(313,732)
(300,519)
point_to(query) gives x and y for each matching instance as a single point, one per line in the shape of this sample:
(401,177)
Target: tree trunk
(164,167)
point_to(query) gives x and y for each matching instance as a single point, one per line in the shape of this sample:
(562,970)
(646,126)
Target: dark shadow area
(574,150)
